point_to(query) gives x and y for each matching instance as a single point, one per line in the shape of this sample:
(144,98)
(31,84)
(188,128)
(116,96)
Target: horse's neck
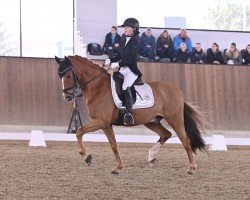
(93,85)
(97,88)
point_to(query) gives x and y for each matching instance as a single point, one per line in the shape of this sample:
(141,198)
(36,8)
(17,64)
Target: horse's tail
(194,127)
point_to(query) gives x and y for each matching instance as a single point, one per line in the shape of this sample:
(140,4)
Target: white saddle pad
(145,100)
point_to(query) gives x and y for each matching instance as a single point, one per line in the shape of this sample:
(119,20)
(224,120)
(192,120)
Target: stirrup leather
(128,119)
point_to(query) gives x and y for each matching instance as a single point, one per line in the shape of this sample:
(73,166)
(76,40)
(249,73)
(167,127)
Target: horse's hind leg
(178,125)
(164,136)
(112,141)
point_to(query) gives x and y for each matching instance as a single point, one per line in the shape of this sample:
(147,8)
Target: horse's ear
(67,59)
(57,60)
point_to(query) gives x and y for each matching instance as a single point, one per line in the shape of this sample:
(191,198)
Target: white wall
(95,17)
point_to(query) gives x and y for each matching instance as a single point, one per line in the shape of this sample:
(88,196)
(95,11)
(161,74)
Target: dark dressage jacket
(129,54)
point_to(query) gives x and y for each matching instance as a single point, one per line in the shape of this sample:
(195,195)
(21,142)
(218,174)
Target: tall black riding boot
(128,117)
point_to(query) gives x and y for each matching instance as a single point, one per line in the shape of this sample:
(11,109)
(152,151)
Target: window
(36,28)
(10,28)
(47,28)
(232,15)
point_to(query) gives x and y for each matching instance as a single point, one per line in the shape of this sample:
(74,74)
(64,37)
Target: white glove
(114,65)
(107,62)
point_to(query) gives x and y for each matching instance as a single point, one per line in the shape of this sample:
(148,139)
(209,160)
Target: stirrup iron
(128,119)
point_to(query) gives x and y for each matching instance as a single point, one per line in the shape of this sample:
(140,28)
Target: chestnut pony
(79,72)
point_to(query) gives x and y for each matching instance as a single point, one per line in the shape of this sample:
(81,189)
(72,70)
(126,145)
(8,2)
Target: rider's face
(128,31)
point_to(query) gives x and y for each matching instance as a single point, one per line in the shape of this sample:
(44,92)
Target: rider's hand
(107,62)
(114,65)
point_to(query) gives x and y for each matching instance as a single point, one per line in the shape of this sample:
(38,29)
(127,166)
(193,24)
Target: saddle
(119,78)
(142,95)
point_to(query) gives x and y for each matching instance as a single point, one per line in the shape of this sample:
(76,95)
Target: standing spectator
(180,38)
(246,55)
(165,46)
(148,45)
(214,55)
(111,45)
(232,55)
(198,55)
(182,54)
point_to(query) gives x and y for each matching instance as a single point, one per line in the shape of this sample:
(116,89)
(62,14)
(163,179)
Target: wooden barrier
(31,91)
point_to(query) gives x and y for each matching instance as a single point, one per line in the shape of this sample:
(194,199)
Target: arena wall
(31,91)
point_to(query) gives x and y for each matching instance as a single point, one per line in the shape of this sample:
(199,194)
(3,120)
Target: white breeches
(129,77)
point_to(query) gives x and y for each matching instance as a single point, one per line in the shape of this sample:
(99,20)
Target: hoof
(190,172)
(89,160)
(152,162)
(192,169)
(115,172)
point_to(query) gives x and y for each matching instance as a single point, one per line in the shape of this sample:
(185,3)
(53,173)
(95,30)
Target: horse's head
(70,82)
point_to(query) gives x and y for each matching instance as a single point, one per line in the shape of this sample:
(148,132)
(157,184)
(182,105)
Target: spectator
(148,45)
(246,55)
(111,45)
(214,55)
(180,38)
(182,54)
(198,55)
(165,46)
(232,55)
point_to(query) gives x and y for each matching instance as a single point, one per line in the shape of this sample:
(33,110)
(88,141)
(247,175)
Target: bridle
(76,90)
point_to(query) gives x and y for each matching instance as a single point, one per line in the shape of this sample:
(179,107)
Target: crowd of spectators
(179,50)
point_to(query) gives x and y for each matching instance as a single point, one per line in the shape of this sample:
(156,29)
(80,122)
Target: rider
(128,63)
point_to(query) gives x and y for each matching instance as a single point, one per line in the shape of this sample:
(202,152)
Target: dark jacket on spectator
(217,56)
(161,50)
(197,56)
(181,57)
(108,41)
(129,54)
(145,40)
(148,51)
(245,58)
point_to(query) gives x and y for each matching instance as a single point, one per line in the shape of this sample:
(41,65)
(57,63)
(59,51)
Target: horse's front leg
(112,141)
(93,125)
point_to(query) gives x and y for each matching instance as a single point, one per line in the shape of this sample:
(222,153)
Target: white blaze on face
(63,83)
(63,87)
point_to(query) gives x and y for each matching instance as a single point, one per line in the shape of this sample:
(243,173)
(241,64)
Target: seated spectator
(246,55)
(232,55)
(198,55)
(182,54)
(180,38)
(214,55)
(165,46)
(148,45)
(112,43)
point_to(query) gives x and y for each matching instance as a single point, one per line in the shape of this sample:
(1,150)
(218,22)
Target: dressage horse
(77,72)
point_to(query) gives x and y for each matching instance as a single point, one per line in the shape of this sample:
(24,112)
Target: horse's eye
(68,76)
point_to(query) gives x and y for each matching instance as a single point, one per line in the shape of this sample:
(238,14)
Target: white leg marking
(152,153)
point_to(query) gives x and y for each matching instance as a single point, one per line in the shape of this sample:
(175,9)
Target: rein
(77,87)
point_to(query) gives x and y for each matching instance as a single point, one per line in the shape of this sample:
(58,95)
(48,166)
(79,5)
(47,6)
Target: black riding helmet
(132,22)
